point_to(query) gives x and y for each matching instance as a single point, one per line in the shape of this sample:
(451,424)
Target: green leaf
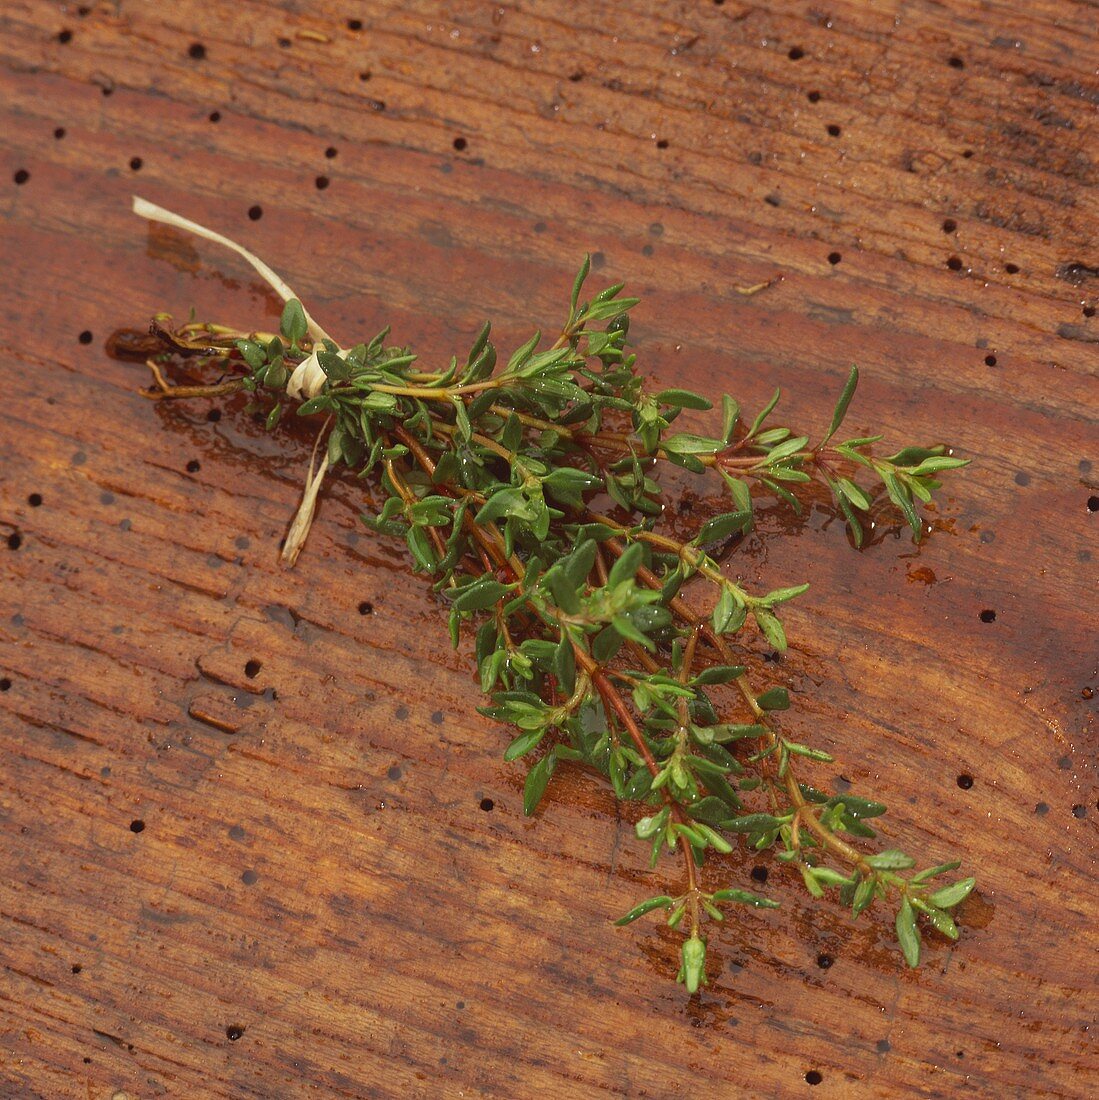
(564,665)
(626,567)
(745,897)
(523,354)
(524,743)
(662,902)
(683,399)
(506,503)
(693,964)
(892,859)
(786,450)
(321,403)
(941,869)
(721,527)
(908,935)
(782,595)
(480,595)
(771,629)
(941,921)
(537,780)
(776,698)
(841,405)
(854,493)
(685,443)
(861,807)
(253,354)
(949,896)
(730,414)
(719,674)
(728,614)
(578,285)
(738,490)
(766,412)
(900,495)
(293,324)
(752,823)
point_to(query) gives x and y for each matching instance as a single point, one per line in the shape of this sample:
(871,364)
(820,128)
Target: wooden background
(313,877)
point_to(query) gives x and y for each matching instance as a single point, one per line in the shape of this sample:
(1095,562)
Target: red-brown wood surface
(317,867)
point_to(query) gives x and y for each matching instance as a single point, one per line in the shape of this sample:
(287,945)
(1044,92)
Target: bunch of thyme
(529,492)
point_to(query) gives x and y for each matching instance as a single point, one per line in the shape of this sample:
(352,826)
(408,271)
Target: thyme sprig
(529,492)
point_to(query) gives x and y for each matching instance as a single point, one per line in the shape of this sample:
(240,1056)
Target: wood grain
(316,880)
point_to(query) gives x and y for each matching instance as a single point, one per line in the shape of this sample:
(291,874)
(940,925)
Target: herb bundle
(529,492)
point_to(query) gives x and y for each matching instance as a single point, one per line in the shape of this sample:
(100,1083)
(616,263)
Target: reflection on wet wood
(257,840)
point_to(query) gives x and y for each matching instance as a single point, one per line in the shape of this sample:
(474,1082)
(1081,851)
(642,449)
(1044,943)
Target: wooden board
(333,891)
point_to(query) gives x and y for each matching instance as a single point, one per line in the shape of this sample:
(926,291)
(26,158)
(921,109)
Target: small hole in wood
(214,116)
(15,540)
(233,1032)
(364,75)
(813,97)
(965,782)
(249,877)
(85,337)
(834,130)
(967,153)
(1079,811)
(662,143)
(251,669)
(196,51)
(255,212)
(64,37)
(460,143)
(987,616)
(824,961)
(814,1077)
(59,133)
(759,873)
(21,176)
(954,263)
(834,258)
(194,466)
(354,24)
(322,183)
(1089,311)
(331,151)
(796,53)
(135,164)
(576,77)
(487,804)
(35,500)
(1011,269)
(949,225)
(137,826)
(1022,478)
(956,63)
(5,684)
(1093,504)
(213,415)
(990,360)
(366,608)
